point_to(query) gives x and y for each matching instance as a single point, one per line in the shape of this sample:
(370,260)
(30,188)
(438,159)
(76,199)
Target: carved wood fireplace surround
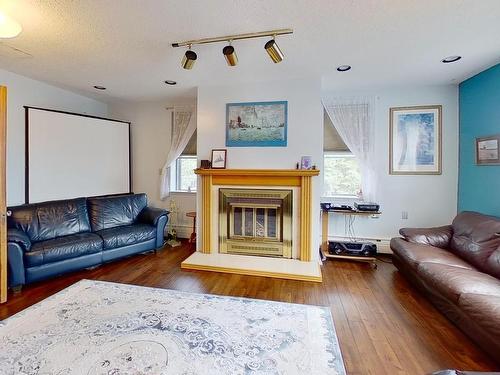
(223,183)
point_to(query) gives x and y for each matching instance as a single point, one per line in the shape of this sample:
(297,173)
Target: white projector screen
(70,155)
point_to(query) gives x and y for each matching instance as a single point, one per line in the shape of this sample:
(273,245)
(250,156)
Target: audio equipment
(361,249)
(366,206)
(335,207)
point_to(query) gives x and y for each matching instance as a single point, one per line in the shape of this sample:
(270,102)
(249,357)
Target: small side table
(192,238)
(324,235)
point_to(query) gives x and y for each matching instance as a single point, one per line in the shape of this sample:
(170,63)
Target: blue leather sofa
(51,238)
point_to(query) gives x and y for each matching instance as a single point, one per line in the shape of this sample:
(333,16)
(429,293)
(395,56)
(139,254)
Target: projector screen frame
(26,146)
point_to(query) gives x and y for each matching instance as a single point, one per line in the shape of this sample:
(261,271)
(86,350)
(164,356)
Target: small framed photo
(305,162)
(219,159)
(487,152)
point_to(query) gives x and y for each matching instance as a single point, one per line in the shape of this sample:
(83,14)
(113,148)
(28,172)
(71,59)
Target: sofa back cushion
(48,220)
(476,238)
(115,211)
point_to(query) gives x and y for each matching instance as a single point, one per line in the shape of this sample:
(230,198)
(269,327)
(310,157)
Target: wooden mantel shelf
(299,178)
(258,172)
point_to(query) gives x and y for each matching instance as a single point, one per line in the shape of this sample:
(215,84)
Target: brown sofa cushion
(438,236)
(414,254)
(475,238)
(492,265)
(451,282)
(484,310)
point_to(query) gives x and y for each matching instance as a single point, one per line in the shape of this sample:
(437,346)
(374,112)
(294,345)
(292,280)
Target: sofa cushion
(127,235)
(62,248)
(451,282)
(48,220)
(484,310)
(475,238)
(492,265)
(437,236)
(115,211)
(414,254)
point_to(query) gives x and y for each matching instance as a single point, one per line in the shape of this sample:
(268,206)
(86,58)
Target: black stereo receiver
(361,249)
(366,206)
(335,207)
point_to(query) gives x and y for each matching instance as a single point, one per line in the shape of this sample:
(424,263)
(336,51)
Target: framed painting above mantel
(256,124)
(415,140)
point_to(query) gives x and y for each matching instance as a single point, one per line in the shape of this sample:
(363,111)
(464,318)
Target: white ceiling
(125,44)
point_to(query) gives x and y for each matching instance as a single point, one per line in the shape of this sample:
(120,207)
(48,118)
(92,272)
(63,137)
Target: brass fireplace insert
(255,222)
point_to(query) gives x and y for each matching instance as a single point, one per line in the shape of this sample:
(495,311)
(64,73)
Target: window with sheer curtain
(352,118)
(341,172)
(183,128)
(183,179)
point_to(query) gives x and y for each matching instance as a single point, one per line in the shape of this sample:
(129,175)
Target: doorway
(3,195)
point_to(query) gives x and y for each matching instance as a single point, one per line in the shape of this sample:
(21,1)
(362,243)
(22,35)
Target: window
(182,177)
(342,176)
(185,179)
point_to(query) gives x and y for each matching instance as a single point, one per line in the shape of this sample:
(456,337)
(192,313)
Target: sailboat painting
(256,124)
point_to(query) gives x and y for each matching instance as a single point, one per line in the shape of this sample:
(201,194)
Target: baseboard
(183,231)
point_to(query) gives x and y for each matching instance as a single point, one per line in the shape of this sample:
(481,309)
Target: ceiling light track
(262,34)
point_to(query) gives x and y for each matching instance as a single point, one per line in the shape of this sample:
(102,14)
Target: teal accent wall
(479,186)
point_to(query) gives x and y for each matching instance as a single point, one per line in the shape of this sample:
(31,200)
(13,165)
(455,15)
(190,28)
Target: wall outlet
(404,215)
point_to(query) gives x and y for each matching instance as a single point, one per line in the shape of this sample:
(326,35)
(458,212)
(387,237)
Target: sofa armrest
(437,236)
(19,237)
(151,215)
(157,217)
(15,263)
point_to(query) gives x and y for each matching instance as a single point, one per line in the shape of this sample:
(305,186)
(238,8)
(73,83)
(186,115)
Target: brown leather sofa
(458,267)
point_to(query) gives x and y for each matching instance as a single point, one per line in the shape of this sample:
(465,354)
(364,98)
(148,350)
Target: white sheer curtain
(354,120)
(183,128)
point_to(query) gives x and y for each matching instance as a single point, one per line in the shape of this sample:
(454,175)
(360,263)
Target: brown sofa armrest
(438,236)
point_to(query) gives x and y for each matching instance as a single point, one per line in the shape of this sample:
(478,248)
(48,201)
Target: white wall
(305,128)
(24,91)
(429,200)
(151,131)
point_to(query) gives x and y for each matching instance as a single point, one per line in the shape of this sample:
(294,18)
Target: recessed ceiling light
(451,59)
(344,68)
(170,82)
(97,87)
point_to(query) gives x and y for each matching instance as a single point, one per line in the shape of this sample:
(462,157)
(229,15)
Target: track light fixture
(230,55)
(274,51)
(229,52)
(189,59)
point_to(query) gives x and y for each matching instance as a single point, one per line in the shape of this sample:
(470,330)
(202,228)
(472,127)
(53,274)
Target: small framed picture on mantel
(219,159)
(487,150)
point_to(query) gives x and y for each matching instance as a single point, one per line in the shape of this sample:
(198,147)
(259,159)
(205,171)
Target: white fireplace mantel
(208,257)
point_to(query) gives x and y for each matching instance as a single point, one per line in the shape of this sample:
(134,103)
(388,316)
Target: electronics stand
(324,236)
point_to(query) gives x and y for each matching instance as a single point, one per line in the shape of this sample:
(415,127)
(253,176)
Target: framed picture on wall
(415,140)
(219,159)
(256,124)
(487,150)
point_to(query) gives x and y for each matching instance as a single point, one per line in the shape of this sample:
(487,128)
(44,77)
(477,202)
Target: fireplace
(255,222)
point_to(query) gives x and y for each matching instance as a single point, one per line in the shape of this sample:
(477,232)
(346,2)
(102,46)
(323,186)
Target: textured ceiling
(125,44)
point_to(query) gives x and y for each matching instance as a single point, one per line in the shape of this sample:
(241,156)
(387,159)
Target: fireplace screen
(255,222)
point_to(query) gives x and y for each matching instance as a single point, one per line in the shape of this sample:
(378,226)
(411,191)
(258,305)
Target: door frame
(3,194)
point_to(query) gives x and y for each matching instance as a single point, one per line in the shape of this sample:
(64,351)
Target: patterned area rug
(96,327)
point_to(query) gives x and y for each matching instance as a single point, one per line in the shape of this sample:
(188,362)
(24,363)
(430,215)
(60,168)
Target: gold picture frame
(415,140)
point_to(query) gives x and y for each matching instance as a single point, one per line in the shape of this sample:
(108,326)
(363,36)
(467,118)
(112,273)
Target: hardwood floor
(384,325)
